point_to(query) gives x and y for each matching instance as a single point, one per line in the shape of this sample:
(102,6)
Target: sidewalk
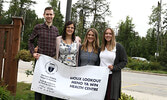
(22,67)
(22,77)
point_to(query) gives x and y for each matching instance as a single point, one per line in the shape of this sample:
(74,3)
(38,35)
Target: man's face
(48,15)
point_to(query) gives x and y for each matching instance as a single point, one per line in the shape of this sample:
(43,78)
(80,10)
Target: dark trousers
(38,96)
(108,92)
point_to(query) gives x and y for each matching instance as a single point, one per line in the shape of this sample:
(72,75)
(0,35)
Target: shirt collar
(47,25)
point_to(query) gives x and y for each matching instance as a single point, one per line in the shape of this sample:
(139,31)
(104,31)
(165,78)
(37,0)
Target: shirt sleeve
(31,40)
(121,59)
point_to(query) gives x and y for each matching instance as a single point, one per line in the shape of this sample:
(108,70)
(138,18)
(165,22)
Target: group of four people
(68,49)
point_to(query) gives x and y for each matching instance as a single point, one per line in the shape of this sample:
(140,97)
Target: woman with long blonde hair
(114,57)
(89,50)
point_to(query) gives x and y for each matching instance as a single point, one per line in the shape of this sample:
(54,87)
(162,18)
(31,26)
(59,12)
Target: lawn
(24,93)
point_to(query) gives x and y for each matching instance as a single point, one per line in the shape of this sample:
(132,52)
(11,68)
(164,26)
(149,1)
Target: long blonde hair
(112,42)
(95,42)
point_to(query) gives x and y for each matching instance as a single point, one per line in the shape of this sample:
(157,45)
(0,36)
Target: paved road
(138,85)
(150,87)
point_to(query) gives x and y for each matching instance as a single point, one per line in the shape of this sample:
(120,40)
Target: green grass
(23,92)
(156,71)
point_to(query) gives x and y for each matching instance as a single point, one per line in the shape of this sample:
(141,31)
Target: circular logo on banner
(51,67)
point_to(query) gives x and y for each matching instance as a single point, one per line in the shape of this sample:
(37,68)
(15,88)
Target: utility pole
(158,27)
(68,10)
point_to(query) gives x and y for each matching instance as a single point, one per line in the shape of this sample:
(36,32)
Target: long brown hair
(95,42)
(64,31)
(104,42)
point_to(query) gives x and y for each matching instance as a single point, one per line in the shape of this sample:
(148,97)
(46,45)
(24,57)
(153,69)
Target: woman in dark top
(89,50)
(114,57)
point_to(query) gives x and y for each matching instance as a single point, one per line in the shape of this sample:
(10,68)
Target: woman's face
(70,29)
(90,37)
(108,35)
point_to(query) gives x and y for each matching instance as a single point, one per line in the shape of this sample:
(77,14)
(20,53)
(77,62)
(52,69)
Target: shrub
(126,97)
(4,94)
(24,55)
(155,66)
(135,64)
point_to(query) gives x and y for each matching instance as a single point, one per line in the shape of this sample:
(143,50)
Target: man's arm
(31,42)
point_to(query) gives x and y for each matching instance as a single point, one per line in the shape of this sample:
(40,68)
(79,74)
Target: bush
(143,65)
(4,94)
(24,55)
(155,66)
(126,97)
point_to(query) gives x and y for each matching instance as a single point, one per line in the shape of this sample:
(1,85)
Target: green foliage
(58,19)
(30,72)
(163,54)
(30,21)
(24,55)
(127,36)
(4,94)
(155,66)
(158,30)
(143,65)
(23,92)
(151,43)
(126,97)
(84,9)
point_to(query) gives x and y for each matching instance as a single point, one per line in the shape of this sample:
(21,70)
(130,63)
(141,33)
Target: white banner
(73,83)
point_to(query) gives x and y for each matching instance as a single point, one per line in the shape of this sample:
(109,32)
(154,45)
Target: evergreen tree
(21,8)
(80,13)
(1,8)
(159,25)
(151,44)
(58,19)
(90,13)
(99,10)
(163,54)
(126,35)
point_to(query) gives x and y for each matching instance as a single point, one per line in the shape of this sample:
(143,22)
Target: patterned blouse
(68,53)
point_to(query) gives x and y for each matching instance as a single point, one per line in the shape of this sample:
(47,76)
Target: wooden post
(18,22)
(5,32)
(7,55)
(2,38)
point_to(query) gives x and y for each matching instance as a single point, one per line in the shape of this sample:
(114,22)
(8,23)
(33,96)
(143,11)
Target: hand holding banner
(73,83)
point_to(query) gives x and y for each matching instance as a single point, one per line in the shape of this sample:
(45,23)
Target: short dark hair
(64,30)
(48,8)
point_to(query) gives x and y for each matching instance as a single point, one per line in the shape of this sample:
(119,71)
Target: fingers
(110,67)
(36,49)
(80,40)
(36,55)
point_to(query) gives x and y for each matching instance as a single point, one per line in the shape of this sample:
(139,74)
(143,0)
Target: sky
(138,10)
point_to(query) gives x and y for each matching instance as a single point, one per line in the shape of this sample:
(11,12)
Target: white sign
(73,83)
